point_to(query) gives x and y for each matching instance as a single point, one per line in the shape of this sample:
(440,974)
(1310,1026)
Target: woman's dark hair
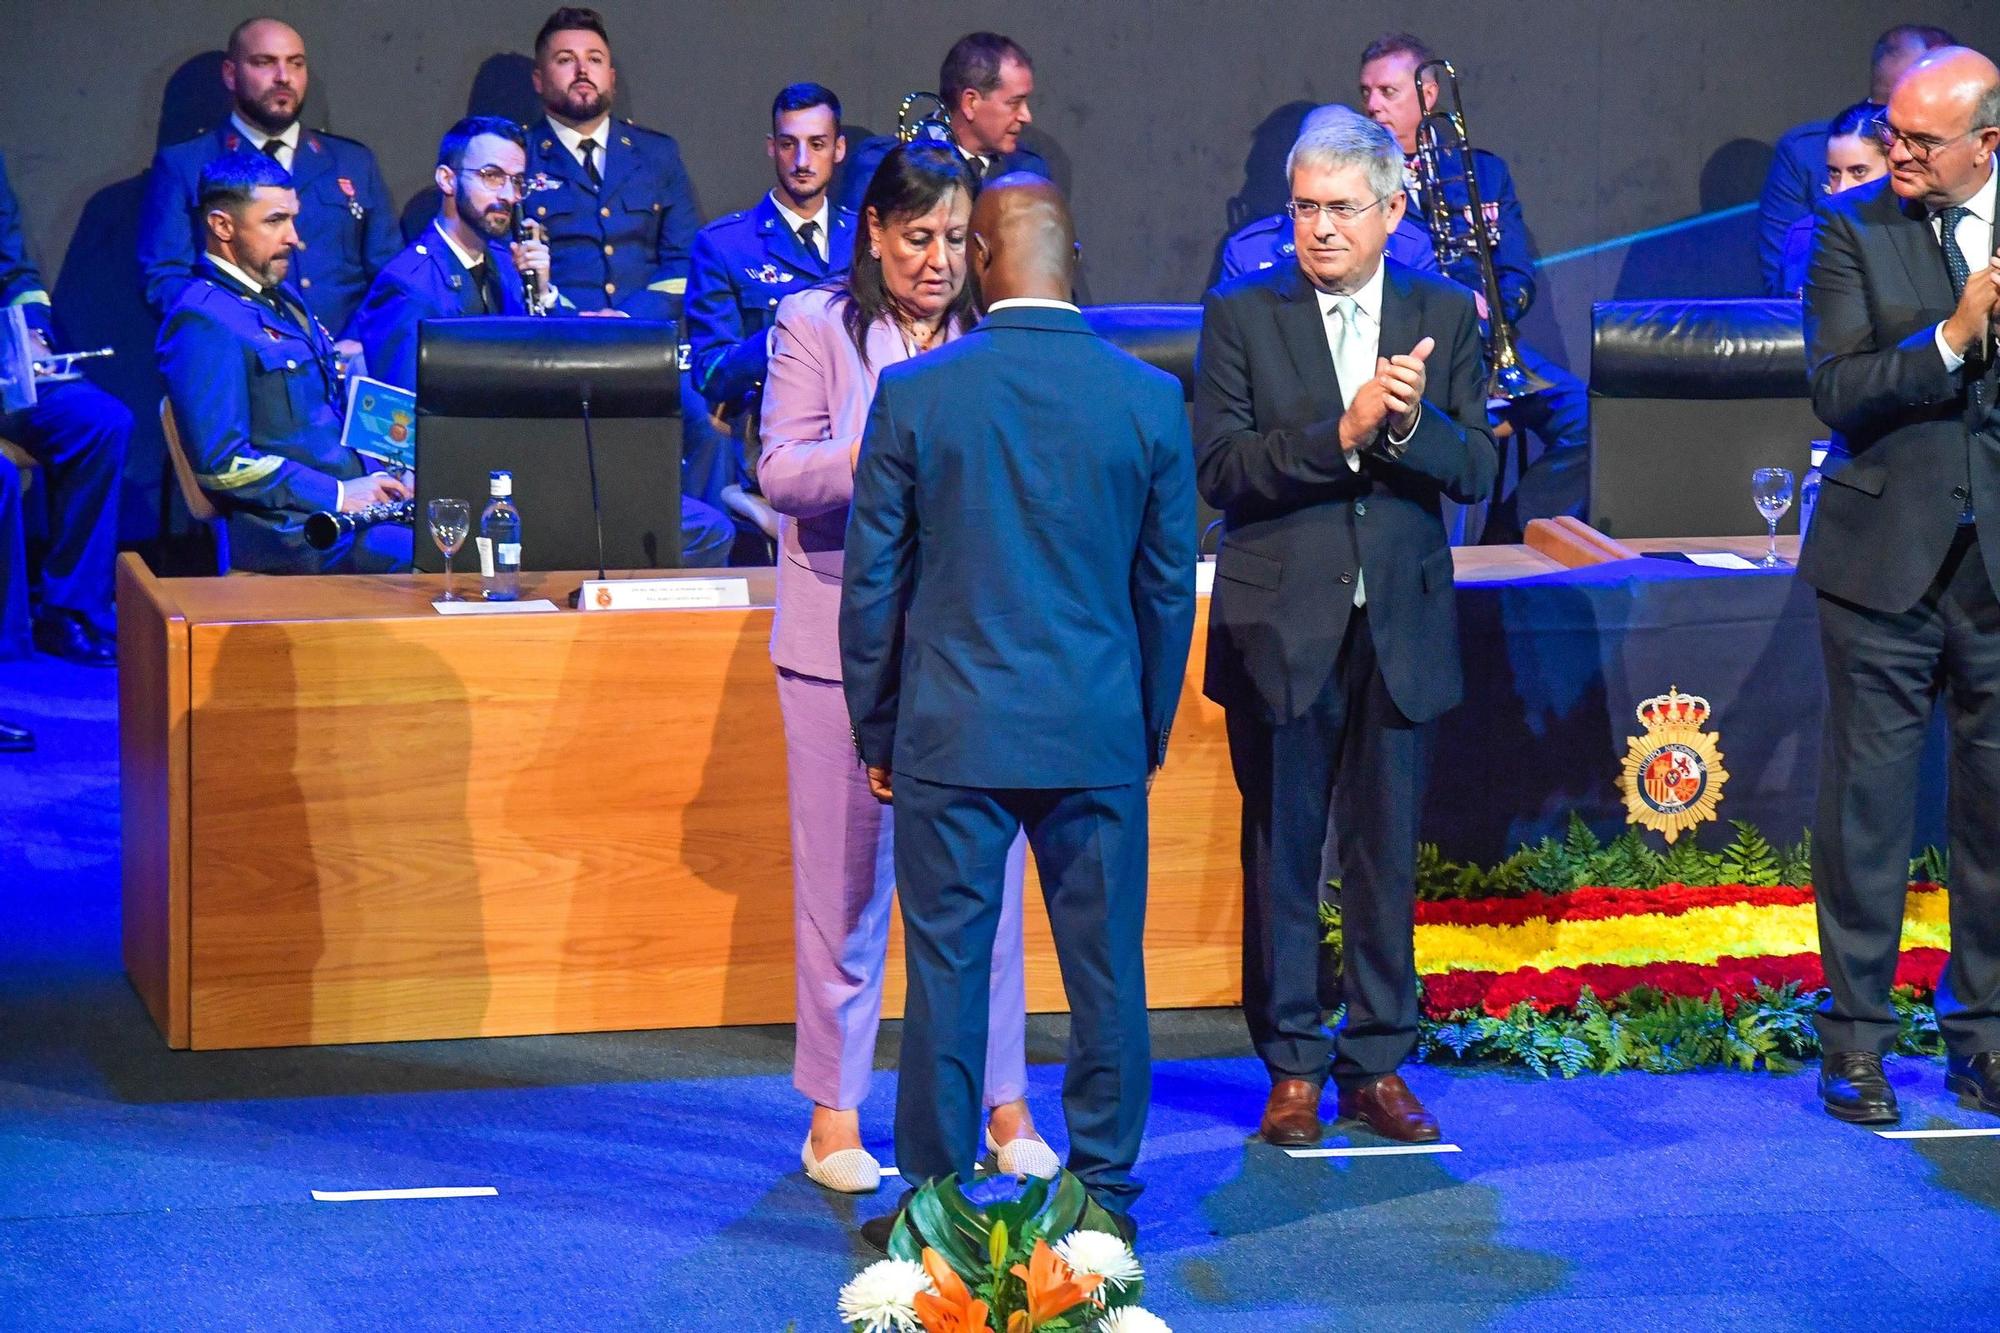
(910,182)
(1862,120)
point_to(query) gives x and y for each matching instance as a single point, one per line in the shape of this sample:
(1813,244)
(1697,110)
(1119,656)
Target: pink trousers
(843,885)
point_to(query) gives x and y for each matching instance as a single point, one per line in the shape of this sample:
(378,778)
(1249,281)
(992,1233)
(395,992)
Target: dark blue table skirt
(1556,664)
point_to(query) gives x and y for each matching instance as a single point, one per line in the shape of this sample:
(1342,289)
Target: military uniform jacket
(1267,243)
(346,219)
(1513,261)
(259,402)
(20,283)
(622,245)
(863,159)
(426,281)
(744,264)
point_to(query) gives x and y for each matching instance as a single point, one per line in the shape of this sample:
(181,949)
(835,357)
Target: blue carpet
(650,1180)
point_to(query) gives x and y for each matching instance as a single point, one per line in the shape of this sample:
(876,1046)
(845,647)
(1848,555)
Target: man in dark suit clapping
(1337,400)
(1014,631)
(1900,311)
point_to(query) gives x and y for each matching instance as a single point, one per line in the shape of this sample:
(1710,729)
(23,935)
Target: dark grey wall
(1166,120)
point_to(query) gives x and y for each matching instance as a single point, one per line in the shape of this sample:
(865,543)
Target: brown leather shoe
(1291,1115)
(1387,1106)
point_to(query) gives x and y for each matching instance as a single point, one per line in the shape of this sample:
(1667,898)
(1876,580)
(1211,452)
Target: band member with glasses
(1339,401)
(1855,154)
(1900,309)
(466,262)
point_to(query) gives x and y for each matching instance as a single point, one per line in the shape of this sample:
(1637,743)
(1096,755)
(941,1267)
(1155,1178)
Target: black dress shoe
(877,1230)
(15,740)
(1976,1080)
(1854,1089)
(1128,1227)
(70,637)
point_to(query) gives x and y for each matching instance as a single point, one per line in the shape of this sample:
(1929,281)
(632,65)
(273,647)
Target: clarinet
(531,282)
(325,529)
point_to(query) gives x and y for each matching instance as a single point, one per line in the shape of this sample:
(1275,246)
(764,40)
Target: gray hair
(1335,136)
(1986,115)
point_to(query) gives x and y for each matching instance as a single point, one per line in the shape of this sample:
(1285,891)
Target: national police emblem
(1673,774)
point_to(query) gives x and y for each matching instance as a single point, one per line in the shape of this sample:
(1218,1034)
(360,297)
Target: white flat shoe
(1023,1157)
(849,1171)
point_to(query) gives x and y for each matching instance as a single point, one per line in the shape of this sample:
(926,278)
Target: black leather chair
(1687,398)
(501,393)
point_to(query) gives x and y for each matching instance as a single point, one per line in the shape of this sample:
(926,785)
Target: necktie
(809,237)
(272,147)
(1954,258)
(489,288)
(589,150)
(980,166)
(1353,363)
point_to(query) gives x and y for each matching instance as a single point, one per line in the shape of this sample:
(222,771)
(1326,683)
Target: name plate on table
(662,594)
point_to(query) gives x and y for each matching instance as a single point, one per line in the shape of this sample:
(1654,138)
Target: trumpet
(1440,134)
(325,529)
(934,126)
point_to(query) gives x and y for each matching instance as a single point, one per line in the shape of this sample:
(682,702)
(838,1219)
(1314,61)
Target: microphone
(531,282)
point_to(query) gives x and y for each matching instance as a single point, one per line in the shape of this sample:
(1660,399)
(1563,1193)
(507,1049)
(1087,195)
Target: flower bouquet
(1001,1255)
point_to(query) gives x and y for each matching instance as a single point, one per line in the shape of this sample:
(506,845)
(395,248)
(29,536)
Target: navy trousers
(79,435)
(951,863)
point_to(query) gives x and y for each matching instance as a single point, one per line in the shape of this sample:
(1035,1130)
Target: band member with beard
(257,387)
(346,222)
(744,264)
(465,264)
(613,198)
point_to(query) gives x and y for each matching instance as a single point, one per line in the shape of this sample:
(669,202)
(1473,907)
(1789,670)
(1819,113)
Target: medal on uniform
(353,204)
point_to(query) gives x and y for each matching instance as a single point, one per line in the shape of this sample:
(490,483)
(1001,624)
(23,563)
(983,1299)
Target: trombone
(934,126)
(1441,133)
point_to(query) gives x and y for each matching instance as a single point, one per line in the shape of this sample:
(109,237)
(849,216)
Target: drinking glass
(1771,488)
(450,519)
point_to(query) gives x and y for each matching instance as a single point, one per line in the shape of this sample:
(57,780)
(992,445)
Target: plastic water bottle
(500,542)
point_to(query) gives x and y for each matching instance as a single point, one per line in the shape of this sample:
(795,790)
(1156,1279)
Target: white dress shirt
(1976,240)
(797,220)
(572,139)
(288,142)
(1033,303)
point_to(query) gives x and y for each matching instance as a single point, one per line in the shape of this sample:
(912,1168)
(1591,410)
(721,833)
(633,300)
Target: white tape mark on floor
(1985,1132)
(891,1171)
(1391,1150)
(432,1192)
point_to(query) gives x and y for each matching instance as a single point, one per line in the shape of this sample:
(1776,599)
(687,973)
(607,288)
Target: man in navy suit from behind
(1014,627)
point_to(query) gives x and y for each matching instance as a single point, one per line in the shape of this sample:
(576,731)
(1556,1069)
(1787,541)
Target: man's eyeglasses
(1920,148)
(1308,209)
(493,178)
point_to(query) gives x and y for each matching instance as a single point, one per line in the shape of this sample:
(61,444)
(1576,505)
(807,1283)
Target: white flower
(1101,1254)
(882,1297)
(1132,1319)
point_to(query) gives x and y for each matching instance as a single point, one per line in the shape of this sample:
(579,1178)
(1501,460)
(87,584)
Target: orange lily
(1053,1289)
(953,1309)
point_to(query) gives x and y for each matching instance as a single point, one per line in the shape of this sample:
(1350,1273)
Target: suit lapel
(620,156)
(452,276)
(783,242)
(1920,252)
(1303,330)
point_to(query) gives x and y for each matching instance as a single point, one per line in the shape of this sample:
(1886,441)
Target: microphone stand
(596,506)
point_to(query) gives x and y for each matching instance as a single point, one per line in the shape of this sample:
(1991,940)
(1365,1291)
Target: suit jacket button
(1360,508)
(610,289)
(604,212)
(306,283)
(541,212)
(607,250)
(1960,494)
(291,365)
(1346,578)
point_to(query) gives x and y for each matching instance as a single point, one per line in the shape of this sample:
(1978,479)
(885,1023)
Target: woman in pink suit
(905,295)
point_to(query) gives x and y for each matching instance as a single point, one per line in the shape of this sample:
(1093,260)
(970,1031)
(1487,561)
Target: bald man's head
(1945,118)
(264,70)
(1023,243)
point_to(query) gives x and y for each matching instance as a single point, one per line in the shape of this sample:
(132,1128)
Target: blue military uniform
(1794,188)
(621,244)
(743,265)
(862,161)
(1558,480)
(1268,242)
(426,281)
(78,433)
(346,219)
(259,396)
